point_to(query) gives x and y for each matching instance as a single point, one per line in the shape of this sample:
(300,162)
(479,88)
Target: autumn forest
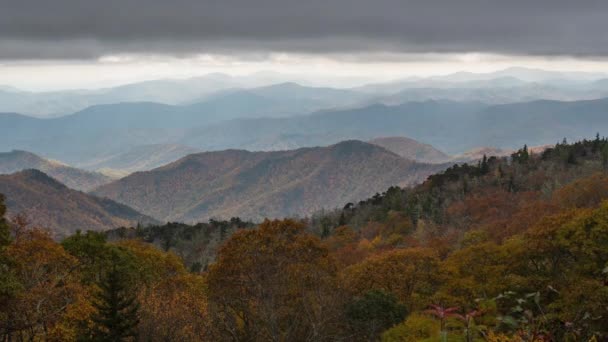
(509,248)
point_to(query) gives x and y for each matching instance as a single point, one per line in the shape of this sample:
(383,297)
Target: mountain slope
(74,178)
(50,204)
(255,185)
(411,149)
(140,158)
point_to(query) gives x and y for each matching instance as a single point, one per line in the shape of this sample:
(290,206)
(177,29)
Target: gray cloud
(61,29)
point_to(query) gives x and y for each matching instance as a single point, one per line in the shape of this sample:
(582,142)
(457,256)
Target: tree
(94,254)
(586,192)
(116,318)
(274,283)
(5,236)
(604,153)
(8,283)
(417,327)
(7,278)
(477,271)
(521,156)
(175,309)
(410,274)
(47,287)
(484,166)
(373,313)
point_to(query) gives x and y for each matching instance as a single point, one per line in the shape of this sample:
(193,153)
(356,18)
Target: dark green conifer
(117,309)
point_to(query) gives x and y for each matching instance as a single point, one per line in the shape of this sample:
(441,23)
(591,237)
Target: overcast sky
(95,43)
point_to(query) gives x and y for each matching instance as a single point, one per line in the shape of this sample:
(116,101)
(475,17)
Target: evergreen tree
(117,309)
(521,156)
(484,166)
(374,312)
(596,143)
(342,219)
(5,236)
(605,156)
(326,226)
(571,159)
(9,284)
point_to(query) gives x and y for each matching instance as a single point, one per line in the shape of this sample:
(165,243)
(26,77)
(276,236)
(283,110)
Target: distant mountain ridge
(411,149)
(48,203)
(255,185)
(200,88)
(139,158)
(450,126)
(167,91)
(425,153)
(74,178)
(105,129)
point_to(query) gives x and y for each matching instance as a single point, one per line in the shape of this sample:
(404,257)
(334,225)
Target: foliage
(196,244)
(410,274)
(277,283)
(510,249)
(47,286)
(417,327)
(374,312)
(85,289)
(116,316)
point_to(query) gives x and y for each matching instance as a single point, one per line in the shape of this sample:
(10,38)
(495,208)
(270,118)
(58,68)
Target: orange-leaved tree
(274,283)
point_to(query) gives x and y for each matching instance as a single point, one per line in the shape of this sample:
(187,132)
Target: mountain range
(220,146)
(45,202)
(15,161)
(453,127)
(91,135)
(255,185)
(167,91)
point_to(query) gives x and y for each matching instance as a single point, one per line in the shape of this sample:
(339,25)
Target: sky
(59,44)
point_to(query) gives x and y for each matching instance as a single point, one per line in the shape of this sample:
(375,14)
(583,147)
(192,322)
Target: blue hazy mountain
(253,120)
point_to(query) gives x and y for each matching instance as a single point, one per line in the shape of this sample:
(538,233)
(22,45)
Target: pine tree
(5,236)
(596,143)
(484,166)
(116,318)
(604,153)
(521,156)
(342,219)
(9,284)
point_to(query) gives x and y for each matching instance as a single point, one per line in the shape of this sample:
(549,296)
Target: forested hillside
(508,249)
(256,185)
(45,202)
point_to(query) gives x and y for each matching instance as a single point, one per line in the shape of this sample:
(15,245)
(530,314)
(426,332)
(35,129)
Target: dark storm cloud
(88,29)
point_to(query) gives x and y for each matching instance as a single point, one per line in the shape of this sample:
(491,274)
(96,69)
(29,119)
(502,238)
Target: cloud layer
(64,29)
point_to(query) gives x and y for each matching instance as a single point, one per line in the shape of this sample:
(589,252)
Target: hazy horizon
(64,45)
(268,76)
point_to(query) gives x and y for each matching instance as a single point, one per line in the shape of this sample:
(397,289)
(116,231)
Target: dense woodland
(508,249)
